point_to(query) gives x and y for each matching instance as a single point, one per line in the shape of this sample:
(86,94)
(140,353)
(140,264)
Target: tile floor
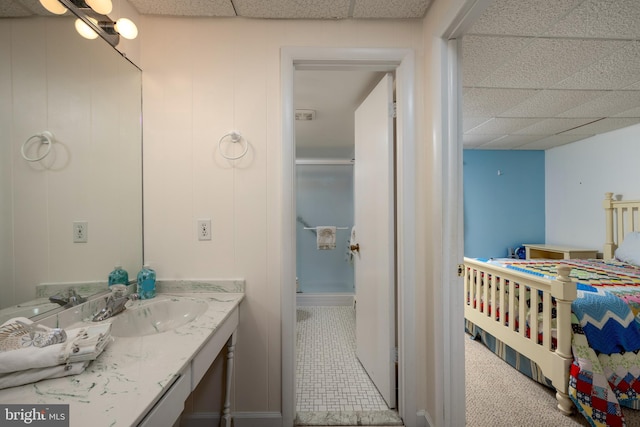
(329,376)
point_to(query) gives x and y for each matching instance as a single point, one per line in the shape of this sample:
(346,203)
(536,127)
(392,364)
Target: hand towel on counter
(29,376)
(81,344)
(326,237)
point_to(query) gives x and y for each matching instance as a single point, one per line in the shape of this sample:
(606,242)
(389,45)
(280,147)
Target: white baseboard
(240,419)
(308,299)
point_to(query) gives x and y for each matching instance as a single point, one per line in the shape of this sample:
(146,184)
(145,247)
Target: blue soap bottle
(146,282)
(118,276)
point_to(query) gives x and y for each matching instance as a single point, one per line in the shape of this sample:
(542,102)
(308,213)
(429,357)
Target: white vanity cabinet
(168,409)
(143,380)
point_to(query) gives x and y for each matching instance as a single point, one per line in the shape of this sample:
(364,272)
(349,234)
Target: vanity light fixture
(86,31)
(126,28)
(103,7)
(53,6)
(93,20)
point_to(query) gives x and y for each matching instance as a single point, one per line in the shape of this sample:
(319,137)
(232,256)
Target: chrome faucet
(71,299)
(115,303)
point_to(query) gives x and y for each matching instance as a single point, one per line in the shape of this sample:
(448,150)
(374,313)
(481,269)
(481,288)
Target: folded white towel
(326,237)
(82,344)
(28,376)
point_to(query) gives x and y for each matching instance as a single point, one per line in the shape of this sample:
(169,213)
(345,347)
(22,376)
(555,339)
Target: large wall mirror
(88,96)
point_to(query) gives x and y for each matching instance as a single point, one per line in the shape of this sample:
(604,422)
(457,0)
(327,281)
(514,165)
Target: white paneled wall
(203,78)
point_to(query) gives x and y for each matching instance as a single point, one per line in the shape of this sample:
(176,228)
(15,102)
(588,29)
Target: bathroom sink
(155,316)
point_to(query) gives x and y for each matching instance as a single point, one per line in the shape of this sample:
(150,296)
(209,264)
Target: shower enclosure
(324,197)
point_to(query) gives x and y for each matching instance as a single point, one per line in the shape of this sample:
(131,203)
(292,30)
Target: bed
(582,335)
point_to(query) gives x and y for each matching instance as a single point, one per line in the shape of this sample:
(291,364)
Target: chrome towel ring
(45,137)
(235,138)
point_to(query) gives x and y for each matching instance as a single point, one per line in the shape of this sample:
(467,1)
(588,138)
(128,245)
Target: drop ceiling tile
(15,9)
(604,125)
(293,9)
(390,8)
(549,103)
(510,142)
(546,62)
(502,126)
(521,18)
(481,102)
(482,54)
(635,86)
(616,71)
(619,19)
(184,7)
(633,112)
(611,104)
(472,141)
(553,126)
(552,141)
(469,123)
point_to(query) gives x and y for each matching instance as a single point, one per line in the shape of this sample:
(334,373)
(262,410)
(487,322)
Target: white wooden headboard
(621,217)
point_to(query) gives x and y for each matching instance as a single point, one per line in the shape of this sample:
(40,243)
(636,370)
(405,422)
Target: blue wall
(502,211)
(324,196)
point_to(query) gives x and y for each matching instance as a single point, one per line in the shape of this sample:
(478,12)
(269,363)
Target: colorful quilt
(605,374)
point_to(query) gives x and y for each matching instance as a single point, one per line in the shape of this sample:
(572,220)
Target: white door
(374,234)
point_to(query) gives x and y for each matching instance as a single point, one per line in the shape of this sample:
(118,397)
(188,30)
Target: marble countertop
(132,373)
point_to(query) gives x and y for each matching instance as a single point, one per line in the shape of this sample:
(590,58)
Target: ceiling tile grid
(613,103)
(549,102)
(221,8)
(604,125)
(293,9)
(389,8)
(579,60)
(481,55)
(490,102)
(608,19)
(545,62)
(521,18)
(615,71)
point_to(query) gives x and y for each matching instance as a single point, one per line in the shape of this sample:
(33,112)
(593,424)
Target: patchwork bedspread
(605,374)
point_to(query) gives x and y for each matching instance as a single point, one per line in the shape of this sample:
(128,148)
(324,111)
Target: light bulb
(86,31)
(53,6)
(101,6)
(126,28)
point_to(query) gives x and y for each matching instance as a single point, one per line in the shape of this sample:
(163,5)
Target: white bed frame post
(564,290)
(609,245)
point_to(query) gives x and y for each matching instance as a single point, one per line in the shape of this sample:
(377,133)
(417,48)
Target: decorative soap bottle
(118,276)
(146,282)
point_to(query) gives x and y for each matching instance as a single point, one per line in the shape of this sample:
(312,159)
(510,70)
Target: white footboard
(492,304)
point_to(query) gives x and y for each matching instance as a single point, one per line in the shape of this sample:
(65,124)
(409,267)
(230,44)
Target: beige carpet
(499,395)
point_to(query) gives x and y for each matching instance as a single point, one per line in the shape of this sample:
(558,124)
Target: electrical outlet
(204,229)
(80,231)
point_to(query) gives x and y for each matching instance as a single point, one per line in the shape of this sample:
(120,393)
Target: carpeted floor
(499,395)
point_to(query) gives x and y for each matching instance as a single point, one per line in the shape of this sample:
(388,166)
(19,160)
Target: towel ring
(235,137)
(45,137)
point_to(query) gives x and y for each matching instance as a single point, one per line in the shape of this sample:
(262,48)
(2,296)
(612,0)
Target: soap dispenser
(118,276)
(146,282)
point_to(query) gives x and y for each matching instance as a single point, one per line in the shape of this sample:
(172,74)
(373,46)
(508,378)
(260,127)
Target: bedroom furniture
(558,252)
(488,287)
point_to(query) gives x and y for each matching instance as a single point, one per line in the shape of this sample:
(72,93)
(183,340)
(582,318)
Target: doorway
(344,130)
(384,60)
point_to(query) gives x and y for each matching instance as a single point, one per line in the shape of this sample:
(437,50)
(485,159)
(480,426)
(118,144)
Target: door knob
(355,248)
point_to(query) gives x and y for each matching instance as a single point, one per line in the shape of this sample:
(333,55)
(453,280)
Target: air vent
(305,115)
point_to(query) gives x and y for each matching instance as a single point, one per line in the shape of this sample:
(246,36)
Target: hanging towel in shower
(326,237)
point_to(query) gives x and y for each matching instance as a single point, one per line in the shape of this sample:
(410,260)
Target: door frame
(385,59)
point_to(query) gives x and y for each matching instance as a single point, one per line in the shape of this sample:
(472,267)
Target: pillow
(629,249)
